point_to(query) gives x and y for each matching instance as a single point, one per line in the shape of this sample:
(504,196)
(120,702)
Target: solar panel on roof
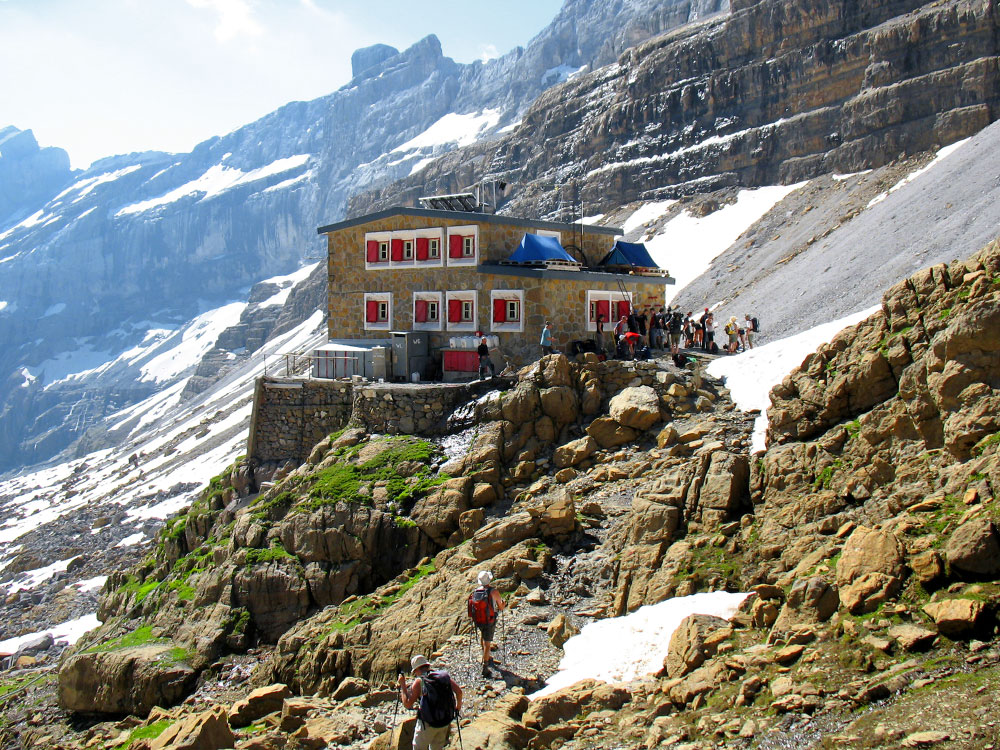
(457,202)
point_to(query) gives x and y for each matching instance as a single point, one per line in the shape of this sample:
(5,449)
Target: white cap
(417,662)
(484,577)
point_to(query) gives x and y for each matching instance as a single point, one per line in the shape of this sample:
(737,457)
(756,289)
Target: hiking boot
(486,671)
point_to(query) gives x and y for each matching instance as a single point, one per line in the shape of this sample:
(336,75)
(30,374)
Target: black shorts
(487,631)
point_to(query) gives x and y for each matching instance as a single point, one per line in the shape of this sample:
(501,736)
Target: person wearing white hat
(484,604)
(438,699)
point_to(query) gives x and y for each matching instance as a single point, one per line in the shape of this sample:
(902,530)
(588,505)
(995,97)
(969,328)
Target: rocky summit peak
(366,58)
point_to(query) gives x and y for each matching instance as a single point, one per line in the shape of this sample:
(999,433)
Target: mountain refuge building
(444,277)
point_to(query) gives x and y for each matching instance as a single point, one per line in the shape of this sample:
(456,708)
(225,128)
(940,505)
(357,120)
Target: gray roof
(474,217)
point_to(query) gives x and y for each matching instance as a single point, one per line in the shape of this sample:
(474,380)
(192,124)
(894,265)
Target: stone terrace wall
(291,416)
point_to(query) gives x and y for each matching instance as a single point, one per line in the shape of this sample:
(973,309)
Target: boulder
(868,593)
(349,688)
(586,695)
(470,521)
(502,534)
(495,730)
(438,513)
(208,730)
(574,452)
(912,637)
(726,485)
(869,569)
(695,640)
(483,494)
(125,681)
(558,516)
(667,436)
(560,404)
(556,370)
(974,548)
(521,404)
(637,407)
(955,618)
(260,702)
(608,433)
(561,630)
(927,566)
(652,522)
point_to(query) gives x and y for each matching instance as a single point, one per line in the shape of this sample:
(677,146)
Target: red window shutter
(455,246)
(420,311)
(373,251)
(499,311)
(397,249)
(421,248)
(454,311)
(604,308)
(451,361)
(371,311)
(623,308)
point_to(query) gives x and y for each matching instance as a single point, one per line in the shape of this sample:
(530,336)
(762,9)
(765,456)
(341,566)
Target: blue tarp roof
(537,249)
(629,254)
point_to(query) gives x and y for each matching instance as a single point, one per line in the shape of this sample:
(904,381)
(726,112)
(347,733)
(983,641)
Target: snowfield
(620,649)
(750,376)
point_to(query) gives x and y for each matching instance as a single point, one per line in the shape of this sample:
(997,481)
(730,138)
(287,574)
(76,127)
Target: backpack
(730,329)
(437,699)
(756,328)
(480,606)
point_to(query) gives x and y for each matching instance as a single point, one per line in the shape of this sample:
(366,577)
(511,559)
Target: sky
(104,77)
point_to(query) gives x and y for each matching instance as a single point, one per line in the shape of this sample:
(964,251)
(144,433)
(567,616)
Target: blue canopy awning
(629,254)
(538,249)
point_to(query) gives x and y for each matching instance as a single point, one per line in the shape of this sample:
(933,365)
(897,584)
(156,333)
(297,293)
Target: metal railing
(307,365)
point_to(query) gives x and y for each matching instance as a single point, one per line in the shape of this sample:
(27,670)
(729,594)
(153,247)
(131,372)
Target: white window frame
(380,237)
(436,233)
(595,295)
(429,325)
(411,241)
(507,294)
(464,231)
(468,295)
(385,297)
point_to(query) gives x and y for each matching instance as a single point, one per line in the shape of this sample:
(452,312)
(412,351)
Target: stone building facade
(446,273)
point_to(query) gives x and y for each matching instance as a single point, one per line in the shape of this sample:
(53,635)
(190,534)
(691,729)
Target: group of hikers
(434,692)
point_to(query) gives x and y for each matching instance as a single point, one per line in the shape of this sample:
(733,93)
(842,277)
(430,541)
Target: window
(612,305)
(378,249)
(507,310)
(383,251)
(434,248)
(427,311)
(407,249)
(378,311)
(463,245)
(460,308)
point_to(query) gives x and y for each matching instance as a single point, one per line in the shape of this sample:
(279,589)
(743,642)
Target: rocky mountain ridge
(775,92)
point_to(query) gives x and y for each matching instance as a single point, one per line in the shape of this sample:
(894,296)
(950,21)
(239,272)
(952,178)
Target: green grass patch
(944,313)
(402,522)
(142,636)
(985,443)
(964,294)
(150,732)
(366,607)
(9,686)
(853,428)
(272,554)
(825,478)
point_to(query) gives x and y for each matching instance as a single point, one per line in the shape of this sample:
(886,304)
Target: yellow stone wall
(563,302)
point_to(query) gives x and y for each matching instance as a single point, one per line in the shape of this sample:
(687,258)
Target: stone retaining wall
(291,416)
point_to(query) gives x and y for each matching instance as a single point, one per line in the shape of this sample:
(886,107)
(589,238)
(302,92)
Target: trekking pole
(395,710)
(458,726)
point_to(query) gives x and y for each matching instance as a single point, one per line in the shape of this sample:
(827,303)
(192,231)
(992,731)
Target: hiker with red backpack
(484,604)
(439,702)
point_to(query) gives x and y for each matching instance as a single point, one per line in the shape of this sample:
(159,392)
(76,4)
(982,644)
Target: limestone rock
(561,630)
(911,637)
(350,687)
(586,695)
(558,516)
(692,643)
(955,618)
(974,548)
(869,569)
(636,407)
(438,513)
(559,404)
(927,566)
(574,452)
(208,730)
(126,681)
(609,433)
(258,703)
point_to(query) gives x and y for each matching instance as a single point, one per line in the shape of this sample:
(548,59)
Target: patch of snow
(620,649)
(304,177)
(750,376)
(941,154)
(510,128)
(68,632)
(591,219)
(687,245)
(215,181)
(646,213)
(131,540)
(197,338)
(29,579)
(287,283)
(3,304)
(86,186)
(421,164)
(55,309)
(462,130)
(90,584)
(849,175)
(561,74)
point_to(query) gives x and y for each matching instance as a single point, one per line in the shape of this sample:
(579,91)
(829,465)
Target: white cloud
(235,18)
(488,52)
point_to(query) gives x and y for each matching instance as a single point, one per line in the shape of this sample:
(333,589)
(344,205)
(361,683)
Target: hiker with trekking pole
(484,604)
(439,702)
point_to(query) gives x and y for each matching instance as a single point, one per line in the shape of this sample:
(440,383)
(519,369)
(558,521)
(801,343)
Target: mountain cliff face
(91,262)
(774,92)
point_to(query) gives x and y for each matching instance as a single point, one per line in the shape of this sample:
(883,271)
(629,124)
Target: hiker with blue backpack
(439,702)
(484,605)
